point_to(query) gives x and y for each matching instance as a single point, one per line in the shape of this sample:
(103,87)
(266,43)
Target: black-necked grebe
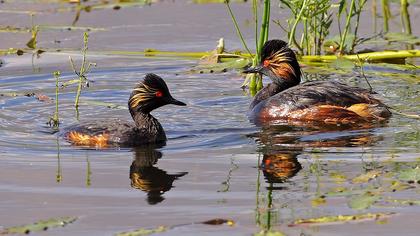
(324,101)
(149,94)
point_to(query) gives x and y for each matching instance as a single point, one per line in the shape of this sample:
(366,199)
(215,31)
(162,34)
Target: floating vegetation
(340,219)
(269,233)
(160,229)
(364,201)
(410,175)
(39,226)
(410,202)
(143,231)
(68,28)
(219,60)
(364,178)
(11,29)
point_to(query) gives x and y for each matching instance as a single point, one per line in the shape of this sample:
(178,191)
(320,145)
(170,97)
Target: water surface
(216,163)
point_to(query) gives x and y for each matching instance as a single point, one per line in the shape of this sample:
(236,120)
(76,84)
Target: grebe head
(149,94)
(279,63)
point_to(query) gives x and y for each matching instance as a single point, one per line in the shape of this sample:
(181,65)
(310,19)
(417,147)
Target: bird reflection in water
(281,145)
(148,178)
(280,166)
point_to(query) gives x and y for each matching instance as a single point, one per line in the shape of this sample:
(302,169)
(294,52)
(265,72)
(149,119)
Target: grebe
(318,101)
(149,94)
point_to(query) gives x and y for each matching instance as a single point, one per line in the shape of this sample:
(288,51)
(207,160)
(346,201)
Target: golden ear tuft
(142,93)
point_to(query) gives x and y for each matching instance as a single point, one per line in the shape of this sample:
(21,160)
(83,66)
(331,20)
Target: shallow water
(216,164)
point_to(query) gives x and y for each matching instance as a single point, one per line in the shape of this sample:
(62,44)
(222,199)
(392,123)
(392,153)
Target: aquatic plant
(315,18)
(84,70)
(39,226)
(254,81)
(54,120)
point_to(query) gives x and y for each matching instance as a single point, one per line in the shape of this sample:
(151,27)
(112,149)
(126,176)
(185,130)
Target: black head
(150,94)
(278,62)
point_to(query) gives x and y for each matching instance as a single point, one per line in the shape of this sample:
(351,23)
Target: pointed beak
(176,102)
(256,69)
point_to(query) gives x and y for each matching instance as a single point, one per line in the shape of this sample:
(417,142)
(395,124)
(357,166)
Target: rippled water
(216,164)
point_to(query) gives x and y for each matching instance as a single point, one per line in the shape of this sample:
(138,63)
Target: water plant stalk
(235,23)
(358,13)
(346,28)
(292,38)
(405,17)
(255,14)
(375,16)
(265,25)
(84,70)
(254,81)
(362,72)
(385,14)
(55,121)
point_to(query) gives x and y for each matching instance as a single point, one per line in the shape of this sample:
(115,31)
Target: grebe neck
(149,124)
(268,91)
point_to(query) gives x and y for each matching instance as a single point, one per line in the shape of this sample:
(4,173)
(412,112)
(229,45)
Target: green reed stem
(375,16)
(292,38)
(347,27)
(55,119)
(255,14)
(385,14)
(255,81)
(238,30)
(356,28)
(362,72)
(405,17)
(265,24)
(84,69)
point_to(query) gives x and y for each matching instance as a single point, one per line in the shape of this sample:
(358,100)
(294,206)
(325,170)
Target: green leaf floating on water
(402,38)
(143,231)
(221,67)
(269,233)
(364,201)
(39,226)
(364,178)
(410,202)
(410,174)
(341,218)
(343,64)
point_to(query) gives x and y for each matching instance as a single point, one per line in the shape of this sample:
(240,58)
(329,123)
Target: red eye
(266,63)
(158,94)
